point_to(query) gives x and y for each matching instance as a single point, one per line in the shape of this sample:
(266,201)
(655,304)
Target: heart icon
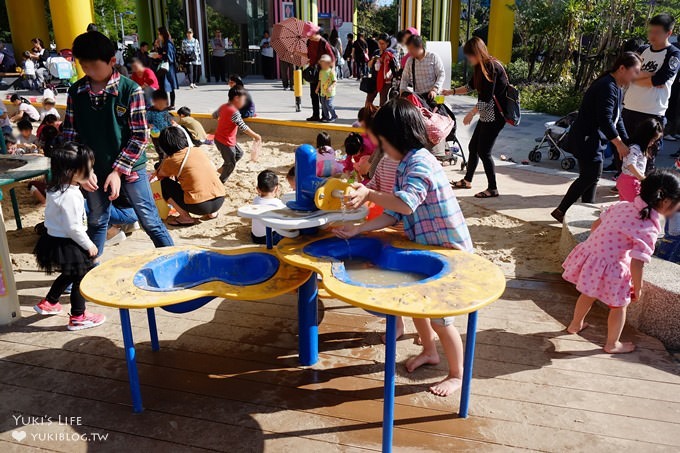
(19,435)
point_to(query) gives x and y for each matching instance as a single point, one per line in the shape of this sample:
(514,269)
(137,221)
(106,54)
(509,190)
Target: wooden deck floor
(226,379)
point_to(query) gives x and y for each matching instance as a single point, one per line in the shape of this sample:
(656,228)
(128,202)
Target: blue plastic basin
(431,265)
(192,268)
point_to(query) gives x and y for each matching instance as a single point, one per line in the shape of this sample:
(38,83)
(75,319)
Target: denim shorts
(444,322)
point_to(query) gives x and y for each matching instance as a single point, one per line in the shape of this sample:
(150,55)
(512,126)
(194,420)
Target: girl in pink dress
(608,265)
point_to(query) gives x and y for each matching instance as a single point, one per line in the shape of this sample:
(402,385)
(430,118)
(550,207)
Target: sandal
(462,184)
(174,222)
(487,194)
(212,216)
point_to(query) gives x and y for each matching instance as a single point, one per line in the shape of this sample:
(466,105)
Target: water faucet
(306,181)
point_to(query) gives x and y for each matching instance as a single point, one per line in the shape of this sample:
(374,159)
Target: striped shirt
(139,133)
(429,74)
(385,175)
(228,125)
(436,218)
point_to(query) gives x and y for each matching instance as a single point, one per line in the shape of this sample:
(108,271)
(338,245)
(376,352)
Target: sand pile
(519,248)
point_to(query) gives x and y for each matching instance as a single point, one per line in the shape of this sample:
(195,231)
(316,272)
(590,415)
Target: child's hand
(363,166)
(91,184)
(346,231)
(358,196)
(92,251)
(112,182)
(637,293)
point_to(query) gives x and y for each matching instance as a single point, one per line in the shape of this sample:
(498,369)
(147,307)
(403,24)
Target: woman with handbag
(191,51)
(167,75)
(491,83)
(383,67)
(599,122)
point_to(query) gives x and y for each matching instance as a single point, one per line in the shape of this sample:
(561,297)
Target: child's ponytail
(659,186)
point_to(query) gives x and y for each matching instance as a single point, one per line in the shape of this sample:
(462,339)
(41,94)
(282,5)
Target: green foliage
(552,98)
(104,12)
(375,18)
(518,71)
(217,21)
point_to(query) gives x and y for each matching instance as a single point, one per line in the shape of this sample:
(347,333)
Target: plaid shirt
(436,219)
(139,132)
(429,74)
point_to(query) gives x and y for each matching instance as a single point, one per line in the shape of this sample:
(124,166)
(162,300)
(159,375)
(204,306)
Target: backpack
(509,104)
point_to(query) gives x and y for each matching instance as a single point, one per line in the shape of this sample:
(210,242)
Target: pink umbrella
(289,40)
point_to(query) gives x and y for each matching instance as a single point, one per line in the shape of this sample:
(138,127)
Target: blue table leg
(308,323)
(390,368)
(470,340)
(153,330)
(133,377)
(269,238)
(15,207)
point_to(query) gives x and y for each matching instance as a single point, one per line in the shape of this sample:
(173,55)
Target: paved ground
(273,102)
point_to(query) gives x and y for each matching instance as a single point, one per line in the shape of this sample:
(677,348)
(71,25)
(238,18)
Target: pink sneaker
(47,308)
(85,321)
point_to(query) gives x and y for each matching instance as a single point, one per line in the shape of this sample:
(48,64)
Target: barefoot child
(643,146)
(65,246)
(608,265)
(423,200)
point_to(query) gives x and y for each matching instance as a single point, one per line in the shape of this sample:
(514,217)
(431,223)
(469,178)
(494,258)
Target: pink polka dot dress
(600,266)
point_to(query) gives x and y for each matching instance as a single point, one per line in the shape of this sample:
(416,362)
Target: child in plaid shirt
(424,201)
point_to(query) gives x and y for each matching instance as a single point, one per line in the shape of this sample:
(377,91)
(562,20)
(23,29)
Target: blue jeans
(141,198)
(327,109)
(122,216)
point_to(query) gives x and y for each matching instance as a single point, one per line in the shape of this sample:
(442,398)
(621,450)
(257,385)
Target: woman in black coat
(599,122)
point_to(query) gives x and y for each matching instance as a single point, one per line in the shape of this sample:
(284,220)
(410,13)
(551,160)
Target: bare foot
(421,359)
(620,348)
(400,333)
(575,328)
(447,386)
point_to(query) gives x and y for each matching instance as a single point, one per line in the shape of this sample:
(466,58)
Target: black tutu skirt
(61,255)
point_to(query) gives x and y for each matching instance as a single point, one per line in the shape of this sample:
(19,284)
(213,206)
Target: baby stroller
(555,139)
(448,150)
(60,72)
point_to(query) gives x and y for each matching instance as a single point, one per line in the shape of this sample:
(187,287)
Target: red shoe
(85,321)
(47,308)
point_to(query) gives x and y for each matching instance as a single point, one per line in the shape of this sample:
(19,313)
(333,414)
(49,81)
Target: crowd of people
(389,162)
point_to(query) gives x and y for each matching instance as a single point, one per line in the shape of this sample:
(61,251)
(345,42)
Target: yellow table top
(472,283)
(111,283)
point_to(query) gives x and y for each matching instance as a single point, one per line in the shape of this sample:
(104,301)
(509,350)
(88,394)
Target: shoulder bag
(509,104)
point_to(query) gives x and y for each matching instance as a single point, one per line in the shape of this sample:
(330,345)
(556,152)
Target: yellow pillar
(355,17)
(69,20)
(27,20)
(501,25)
(410,14)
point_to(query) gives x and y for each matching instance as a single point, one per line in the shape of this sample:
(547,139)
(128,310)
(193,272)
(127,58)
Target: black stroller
(555,138)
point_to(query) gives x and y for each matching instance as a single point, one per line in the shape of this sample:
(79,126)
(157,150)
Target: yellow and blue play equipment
(182,279)
(317,202)
(453,283)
